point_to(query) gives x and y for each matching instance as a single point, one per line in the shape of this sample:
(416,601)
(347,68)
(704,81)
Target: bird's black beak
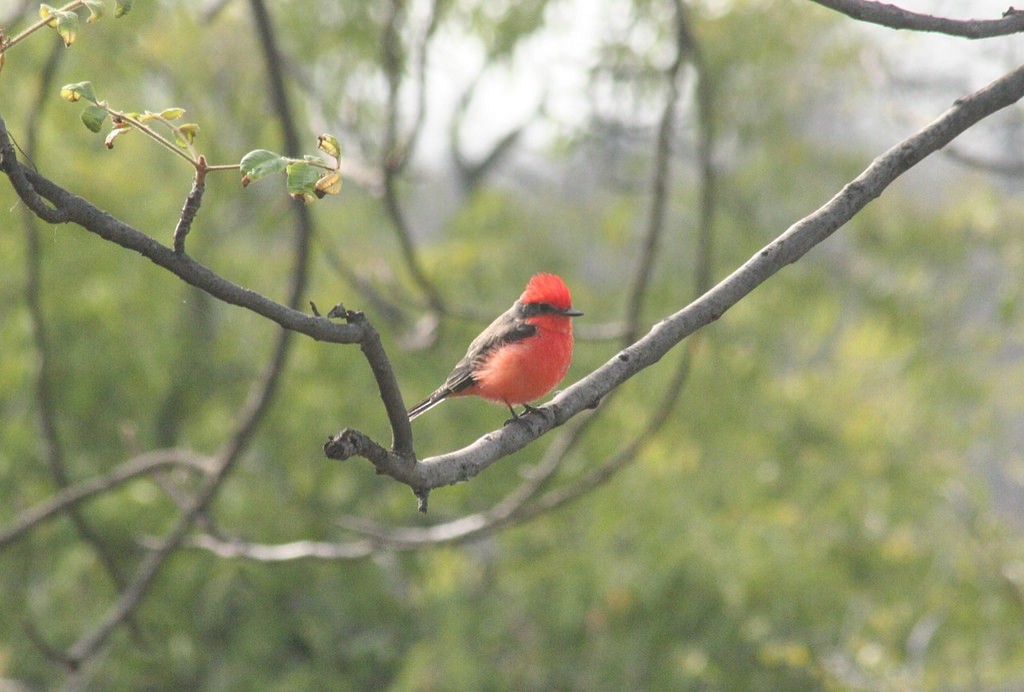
(571,313)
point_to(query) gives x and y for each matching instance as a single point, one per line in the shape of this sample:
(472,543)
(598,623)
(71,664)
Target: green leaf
(121,8)
(185,134)
(67,26)
(302,179)
(259,164)
(45,12)
(93,117)
(97,8)
(66,23)
(79,90)
(172,113)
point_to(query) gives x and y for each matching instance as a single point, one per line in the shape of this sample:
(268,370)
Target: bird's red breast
(521,356)
(526,370)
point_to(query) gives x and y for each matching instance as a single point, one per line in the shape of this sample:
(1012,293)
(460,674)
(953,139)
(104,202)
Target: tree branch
(46,396)
(895,17)
(261,393)
(659,184)
(1005,168)
(515,508)
(471,173)
(396,154)
(71,495)
(789,247)
(70,208)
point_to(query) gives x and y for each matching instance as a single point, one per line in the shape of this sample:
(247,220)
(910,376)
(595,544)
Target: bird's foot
(527,409)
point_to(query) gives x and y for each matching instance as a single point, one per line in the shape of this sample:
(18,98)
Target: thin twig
(282,552)
(471,173)
(191,208)
(659,186)
(420,76)
(36,190)
(704,266)
(395,154)
(1008,169)
(39,24)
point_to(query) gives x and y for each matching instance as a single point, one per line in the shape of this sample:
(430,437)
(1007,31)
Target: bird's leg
(515,416)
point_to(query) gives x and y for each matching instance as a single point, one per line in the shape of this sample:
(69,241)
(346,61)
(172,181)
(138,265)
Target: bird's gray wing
(507,328)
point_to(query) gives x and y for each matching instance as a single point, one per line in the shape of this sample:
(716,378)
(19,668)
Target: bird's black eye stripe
(531,309)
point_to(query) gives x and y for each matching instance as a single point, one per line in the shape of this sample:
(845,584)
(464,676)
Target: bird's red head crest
(547,288)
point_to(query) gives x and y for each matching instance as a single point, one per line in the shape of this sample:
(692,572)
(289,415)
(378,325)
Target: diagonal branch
(789,247)
(72,495)
(260,395)
(895,17)
(52,203)
(46,395)
(57,205)
(516,508)
(520,504)
(471,173)
(396,153)
(70,208)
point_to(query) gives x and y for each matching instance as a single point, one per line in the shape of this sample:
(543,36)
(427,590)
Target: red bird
(521,356)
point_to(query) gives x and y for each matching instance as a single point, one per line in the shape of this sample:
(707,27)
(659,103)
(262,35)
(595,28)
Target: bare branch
(789,247)
(283,552)
(377,536)
(387,385)
(46,395)
(260,395)
(895,17)
(659,184)
(395,154)
(69,207)
(191,208)
(420,74)
(1008,169)
(72,495)
(705,155)
(515,508)
(471,173)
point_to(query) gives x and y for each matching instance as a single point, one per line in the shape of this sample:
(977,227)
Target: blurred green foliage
(827,507)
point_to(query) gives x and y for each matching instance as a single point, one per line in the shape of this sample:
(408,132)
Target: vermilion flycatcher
(521,356)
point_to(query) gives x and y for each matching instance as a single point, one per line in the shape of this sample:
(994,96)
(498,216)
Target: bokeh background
(834,497)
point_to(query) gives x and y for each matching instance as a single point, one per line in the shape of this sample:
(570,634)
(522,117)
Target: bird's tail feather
(425,405)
